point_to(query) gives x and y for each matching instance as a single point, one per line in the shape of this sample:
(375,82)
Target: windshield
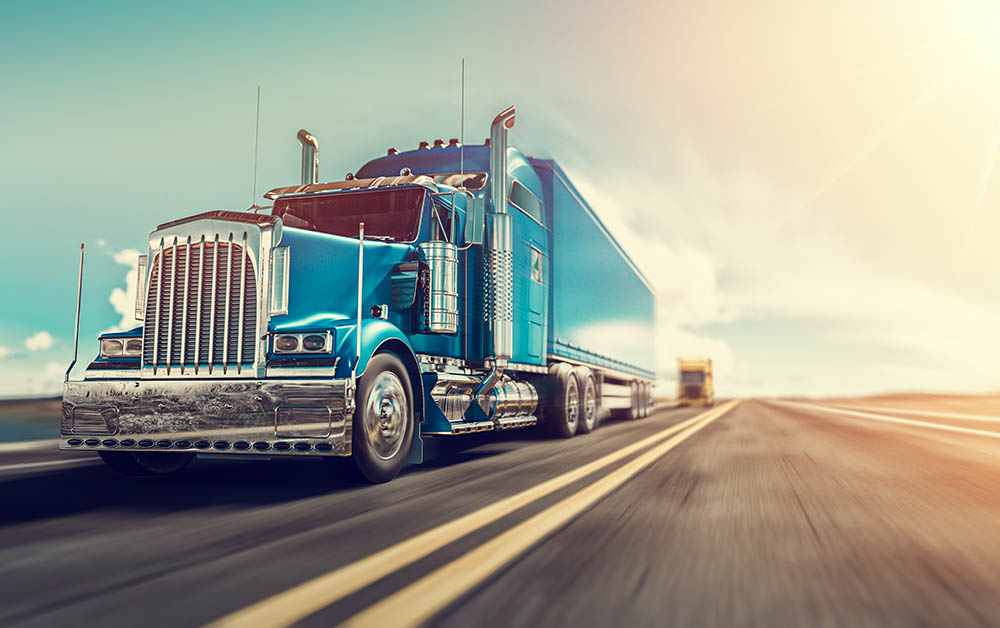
(692,377)
(388,214)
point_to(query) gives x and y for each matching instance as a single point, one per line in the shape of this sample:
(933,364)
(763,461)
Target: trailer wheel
(587,421)
(145,463)
(643,400)
(633,411)
(562,413)
(382,427)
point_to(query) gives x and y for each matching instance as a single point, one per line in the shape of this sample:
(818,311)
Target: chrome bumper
(232,416)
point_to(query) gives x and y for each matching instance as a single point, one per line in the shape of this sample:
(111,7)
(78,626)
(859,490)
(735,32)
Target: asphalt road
(765,513)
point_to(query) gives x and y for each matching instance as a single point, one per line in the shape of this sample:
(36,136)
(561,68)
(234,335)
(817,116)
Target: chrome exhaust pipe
(499,261)
(310,157)
(499,293)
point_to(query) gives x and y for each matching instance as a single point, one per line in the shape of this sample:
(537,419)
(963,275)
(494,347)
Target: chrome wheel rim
(385,415)
(572,405)
(589,405)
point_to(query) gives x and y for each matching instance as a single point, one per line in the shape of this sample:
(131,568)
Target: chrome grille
(201,306)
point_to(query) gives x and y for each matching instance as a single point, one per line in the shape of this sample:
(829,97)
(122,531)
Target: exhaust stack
(499,263)
(310,157)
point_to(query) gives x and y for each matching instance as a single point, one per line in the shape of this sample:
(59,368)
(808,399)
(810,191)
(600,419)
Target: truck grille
(201,306)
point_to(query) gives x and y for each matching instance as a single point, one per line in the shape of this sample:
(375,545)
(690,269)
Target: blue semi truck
(488,295)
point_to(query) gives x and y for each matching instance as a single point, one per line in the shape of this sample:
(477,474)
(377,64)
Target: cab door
(531,274)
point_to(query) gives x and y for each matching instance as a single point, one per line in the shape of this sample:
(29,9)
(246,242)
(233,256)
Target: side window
(537,266)
(523,199)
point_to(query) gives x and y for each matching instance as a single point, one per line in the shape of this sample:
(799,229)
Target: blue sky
(810,187)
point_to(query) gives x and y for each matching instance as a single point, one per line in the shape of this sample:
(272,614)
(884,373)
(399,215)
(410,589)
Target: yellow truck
(694,384)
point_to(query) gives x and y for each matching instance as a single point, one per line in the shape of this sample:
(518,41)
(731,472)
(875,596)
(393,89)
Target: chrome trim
(76,327)
(310,157)
(254,273)
(201,286)
(141,267)
(111,374)
(170,315)
(498,275)
(215,286)
(361,266)
(229,292)
(516,422)
(301,371)
(284,253)
(243,290)
(442,306)
(159,299)
(327,344)
(187,297)
(191,410)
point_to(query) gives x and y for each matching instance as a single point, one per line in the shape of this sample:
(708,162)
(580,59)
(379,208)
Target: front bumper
(232,416)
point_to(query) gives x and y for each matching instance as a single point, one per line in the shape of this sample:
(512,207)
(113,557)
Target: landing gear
(383,419)
(141,463)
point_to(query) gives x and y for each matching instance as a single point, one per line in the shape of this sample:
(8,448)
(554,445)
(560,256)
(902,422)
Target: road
(762,512)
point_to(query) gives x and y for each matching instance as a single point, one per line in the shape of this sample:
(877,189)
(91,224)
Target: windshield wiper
(381,238)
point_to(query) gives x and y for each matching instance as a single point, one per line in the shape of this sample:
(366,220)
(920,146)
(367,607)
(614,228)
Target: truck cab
(695,385)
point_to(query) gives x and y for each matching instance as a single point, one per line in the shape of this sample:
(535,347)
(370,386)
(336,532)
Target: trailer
(436,292)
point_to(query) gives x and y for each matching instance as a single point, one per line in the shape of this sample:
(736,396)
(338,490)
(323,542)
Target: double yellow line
(421,600)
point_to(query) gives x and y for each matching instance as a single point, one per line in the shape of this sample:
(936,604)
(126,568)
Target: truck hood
(323,277)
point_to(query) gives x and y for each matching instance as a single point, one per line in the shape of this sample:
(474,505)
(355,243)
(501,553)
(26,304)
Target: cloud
(124,300)
(4,353)
(39,342)
(738,267)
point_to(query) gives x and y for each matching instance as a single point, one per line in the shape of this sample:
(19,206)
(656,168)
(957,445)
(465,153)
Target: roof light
(438,143)
(423,145)
(392,151)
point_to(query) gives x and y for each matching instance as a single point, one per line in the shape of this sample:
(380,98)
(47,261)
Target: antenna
(462,128)
(256,143)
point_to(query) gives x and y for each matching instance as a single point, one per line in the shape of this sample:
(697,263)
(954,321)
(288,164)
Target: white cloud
(4,353)
(124,300)
(39,342)
(728,252)
(31,380)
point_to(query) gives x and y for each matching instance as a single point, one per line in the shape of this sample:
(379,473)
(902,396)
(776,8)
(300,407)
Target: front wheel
(382,429)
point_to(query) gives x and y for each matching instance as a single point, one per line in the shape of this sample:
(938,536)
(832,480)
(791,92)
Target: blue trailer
(416,299)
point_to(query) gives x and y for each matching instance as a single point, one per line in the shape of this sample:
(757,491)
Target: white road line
(51,463)
(892,419)
(26,445)
(940,415)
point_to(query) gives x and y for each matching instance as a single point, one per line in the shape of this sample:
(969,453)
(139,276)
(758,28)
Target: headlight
(314,342)
(121,347)
(112,348)
(286,344)
(303,343)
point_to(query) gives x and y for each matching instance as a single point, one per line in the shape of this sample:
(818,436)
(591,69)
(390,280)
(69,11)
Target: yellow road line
(292,605)
(420,601)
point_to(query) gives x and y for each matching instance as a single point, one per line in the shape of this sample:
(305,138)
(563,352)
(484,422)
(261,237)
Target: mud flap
(416,455)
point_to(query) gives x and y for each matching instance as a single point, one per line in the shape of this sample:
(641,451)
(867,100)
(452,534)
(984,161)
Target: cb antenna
(256,143)
(462,128)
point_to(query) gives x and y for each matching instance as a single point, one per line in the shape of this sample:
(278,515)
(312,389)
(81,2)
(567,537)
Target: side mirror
(475,220)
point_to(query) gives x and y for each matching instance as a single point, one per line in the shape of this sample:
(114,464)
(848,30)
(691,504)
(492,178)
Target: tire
(587,414)
(143,464)
(644,401)
(382,428)
(563,411)
(633,413)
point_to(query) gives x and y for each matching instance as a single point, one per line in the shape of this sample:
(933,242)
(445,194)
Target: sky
(810,186)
